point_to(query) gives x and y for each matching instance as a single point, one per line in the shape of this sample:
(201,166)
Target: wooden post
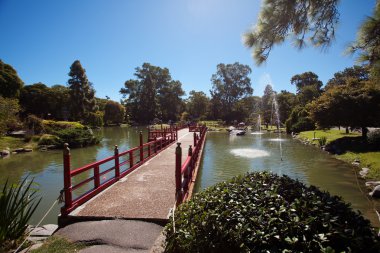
(176,133)
(178,176)
(67,177)
(141,147)
(130,159)
(117,168)
(96,176)
(188,172)
(195,139)
(155,144)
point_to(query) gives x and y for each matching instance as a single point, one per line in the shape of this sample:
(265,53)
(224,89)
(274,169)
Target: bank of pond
(224,157)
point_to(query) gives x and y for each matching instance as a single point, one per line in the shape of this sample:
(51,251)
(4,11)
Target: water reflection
(226,156)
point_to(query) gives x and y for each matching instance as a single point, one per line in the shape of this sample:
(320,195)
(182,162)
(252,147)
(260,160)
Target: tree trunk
(347,131)
(364,133)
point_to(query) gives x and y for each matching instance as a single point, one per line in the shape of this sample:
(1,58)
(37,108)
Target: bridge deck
(147,193)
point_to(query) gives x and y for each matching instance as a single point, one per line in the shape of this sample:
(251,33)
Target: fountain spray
(277,118)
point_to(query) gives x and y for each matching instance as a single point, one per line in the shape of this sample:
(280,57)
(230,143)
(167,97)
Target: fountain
(258,125)
(275,112)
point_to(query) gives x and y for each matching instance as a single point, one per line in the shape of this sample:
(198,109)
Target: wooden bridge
(142,183)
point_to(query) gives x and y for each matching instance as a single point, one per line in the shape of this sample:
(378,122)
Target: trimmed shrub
(48,139)
(51,126)
(94,119)
(77,137)
(263,212)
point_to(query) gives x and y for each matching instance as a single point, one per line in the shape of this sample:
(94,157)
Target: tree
(59,100)
(197,104)
(10,82)
(286,102)
(267,101)
(113,113)
(82,94)
(230,84)
(368,42)
(356,104)
(152,95)
(359,73)
(308,86)
(303,20)
(34,99)
(9,109)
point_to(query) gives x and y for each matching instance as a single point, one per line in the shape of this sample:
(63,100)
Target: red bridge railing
(106,172)
(184,173)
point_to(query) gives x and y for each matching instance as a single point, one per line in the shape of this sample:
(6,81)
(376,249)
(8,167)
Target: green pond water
(224,157)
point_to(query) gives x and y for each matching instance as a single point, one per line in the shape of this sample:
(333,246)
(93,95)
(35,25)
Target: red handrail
(184,172)
(133,158)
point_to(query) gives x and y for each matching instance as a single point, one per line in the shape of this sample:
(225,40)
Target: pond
(228,155)
(224,157)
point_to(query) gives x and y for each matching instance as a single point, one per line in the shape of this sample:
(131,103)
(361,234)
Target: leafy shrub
(374,138)
(299,121)
(48,139)
(94,119)
(51,126)
(76,137)
(17,204)
(322,141)
(263,212)
(35,124)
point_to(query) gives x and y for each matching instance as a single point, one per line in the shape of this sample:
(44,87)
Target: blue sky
(42,38)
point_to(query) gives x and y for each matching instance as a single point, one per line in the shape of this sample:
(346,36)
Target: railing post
(155,144)
(178,176)
(195,139)
(176,133)
(130,159)
(96,176)
(67,177)
(189,171)
(141,147)
(165,136)
(117,168)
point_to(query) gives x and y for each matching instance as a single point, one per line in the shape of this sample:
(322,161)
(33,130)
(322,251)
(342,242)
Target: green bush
(77,137)
(51,126)
(48,139)
(263,212)
(94,119)
(17,204)
(322,141)
(35,124)
(374,138)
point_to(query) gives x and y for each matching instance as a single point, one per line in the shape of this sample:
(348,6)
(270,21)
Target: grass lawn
(369,159)
(13,143)
(58,244)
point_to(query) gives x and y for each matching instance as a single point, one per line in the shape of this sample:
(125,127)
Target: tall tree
(34,99)
(303,20)
(359,73)
(356,104)
(197,104)
(286,102)
(10,82)
(308,86)
(9,109)
(153,94)
(113,113)
(368,42)
(82,94)
(230,84)
(267,101)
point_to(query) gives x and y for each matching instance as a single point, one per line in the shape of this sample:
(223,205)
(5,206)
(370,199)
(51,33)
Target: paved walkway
(147,193)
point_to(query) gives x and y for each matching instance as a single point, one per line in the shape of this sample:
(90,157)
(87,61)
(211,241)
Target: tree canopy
(303,20)
(197,104)
(153,94)
(82,94)
(308,86)
(113,113)
(230,83)
(10,82)
(359,73)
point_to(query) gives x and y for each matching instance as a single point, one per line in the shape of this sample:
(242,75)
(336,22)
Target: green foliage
(77,137)
(17,204)
(197,104)
(49,139)
(230,83)
(153,94)
(374,138)
(9,109)
(322,141)
(114,113)
(82,94)
(358,73)
(59,244)
(34,123)
(304,20)
(299,121)
(51,126)
(10,82)
(263,212)
(94,119)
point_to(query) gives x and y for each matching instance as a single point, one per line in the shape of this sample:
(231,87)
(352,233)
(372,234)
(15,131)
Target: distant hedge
(51,125)
(263,212)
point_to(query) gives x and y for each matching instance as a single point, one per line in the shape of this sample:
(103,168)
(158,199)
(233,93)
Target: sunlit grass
(59,244)
(13,143)
(367,159)
(331,135)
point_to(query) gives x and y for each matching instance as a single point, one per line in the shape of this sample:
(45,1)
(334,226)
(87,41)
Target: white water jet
(277,118)
(249,152)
